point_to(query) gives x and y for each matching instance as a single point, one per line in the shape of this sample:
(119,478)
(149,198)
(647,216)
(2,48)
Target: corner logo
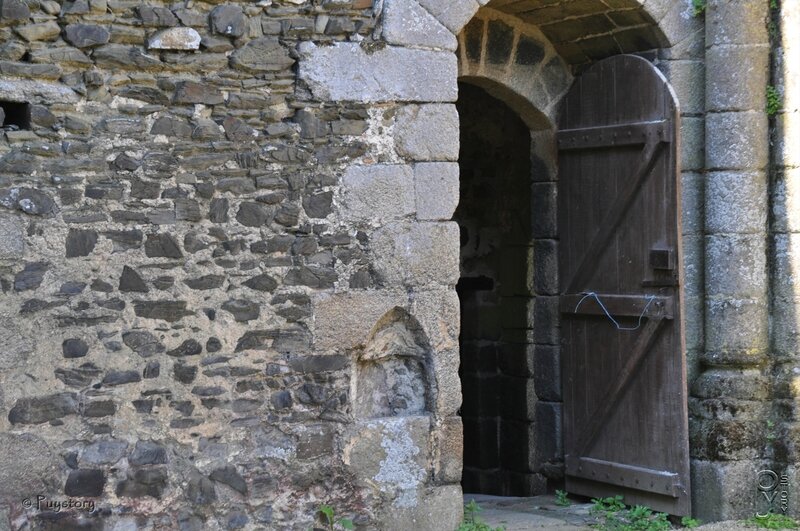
(775,490)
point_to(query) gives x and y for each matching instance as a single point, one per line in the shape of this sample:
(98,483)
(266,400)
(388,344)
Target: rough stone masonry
(228,264)
(199,273)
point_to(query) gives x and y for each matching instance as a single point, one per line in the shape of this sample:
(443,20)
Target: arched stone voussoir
(453,14)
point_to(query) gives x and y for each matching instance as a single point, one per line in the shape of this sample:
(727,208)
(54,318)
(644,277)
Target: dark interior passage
(496,292)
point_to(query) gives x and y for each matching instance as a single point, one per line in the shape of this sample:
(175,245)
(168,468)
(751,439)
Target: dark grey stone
(162,246)
(169,311)
(218,210)
(121,377)
(190,347)
(99,408)
(72,288)
(79,377)
(313,277)
(229,476)
(80,242)
(75,7)
(228,20)
(143,343)
(237,130)
(39,409)
(236,185)
(31,277)
(187,210)
(262,282)
(185,374)
(242,310)
(205,282)
(14,10)
(171,126)
(125,239)
(213,345)
(236,520)
(204,390)
(104,452)
(193,92)
(253,214)
(148,453)
(281,400)
(74,348)
(500,40)
(151,370)
(288,215)
(316,364)
(200,490)
(101,286)
(529,51)
(28,200)
(130,281)
(113,56)
(85,482)
(156,16)
(125,163)
(265,54)
(318,205)
(144,93)
(85,35)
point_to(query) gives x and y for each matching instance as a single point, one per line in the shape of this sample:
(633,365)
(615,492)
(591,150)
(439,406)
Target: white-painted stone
(427,132)
(377,192)
(347,71)
(407,23)
(12,244)
(417,254)
(436,186)
(175,39)
(454,14)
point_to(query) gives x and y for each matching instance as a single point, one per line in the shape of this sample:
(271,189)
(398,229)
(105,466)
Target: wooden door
(624,382)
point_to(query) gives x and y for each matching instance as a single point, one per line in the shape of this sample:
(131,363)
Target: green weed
(561,499)
(330,521)
(773,101)
(773,521)
(472,522)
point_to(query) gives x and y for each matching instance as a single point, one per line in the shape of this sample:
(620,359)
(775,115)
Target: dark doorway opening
(497,298)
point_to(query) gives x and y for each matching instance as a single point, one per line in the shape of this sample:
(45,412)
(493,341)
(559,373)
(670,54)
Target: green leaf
(346,523)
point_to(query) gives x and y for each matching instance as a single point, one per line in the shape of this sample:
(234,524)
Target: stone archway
(416,66)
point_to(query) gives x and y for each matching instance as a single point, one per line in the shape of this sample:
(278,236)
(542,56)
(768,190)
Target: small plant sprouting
(773,521)
(698,7)
(689,522)
(472,522)
(613,516)
(330,521)
(773,101)
(561,499)
(773,4)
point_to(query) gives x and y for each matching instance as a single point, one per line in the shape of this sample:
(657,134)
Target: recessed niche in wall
(15,114)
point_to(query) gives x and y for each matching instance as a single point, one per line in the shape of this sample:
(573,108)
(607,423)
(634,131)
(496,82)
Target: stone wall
(223,226)
(194,257)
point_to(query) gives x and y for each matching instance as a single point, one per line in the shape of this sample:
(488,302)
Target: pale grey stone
(407,23)
(36,91)
(454,14)
(736,265)
(347,71)
(175,39)
(736,202)
(377,192)
(46,31)
(736,78)
(29,466)
(427,132)
(737,140)
(12,233)
(417,254)
(436,185)
(17,345)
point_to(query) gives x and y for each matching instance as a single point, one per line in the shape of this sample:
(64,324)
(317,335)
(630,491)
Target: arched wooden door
(624,371)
